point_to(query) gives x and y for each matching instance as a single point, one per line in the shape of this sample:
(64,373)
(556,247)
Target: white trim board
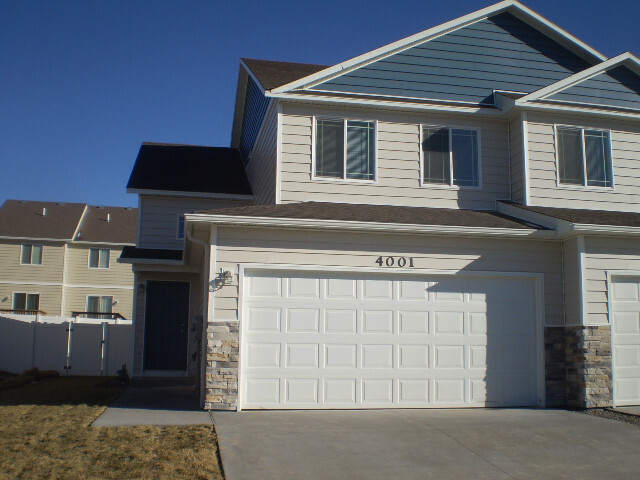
(512,6)
(171,193)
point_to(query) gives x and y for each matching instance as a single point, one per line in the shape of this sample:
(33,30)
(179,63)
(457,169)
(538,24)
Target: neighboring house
(60,258)
(450,220)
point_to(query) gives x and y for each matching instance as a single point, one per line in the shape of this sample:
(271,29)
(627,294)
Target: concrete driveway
(423,444)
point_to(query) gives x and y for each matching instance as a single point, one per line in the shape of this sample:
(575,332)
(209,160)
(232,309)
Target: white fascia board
(171,193)
(605,229)
(576,78)
(252,75)
(577,109)
(106,244)
(340,225)
(512,6)
(37,239)
(389,104)
(529,216)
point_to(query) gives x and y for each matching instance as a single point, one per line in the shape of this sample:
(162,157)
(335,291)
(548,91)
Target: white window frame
(86,302)
(450,185)
(99,267)
(584,186)
(180,216)
(31,258)
(344,178)
(13,298)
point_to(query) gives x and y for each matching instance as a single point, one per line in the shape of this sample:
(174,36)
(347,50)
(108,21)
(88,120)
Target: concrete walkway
(154,406)
(490,444)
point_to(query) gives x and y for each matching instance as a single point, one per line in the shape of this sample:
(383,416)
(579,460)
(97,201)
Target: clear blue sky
(84,82)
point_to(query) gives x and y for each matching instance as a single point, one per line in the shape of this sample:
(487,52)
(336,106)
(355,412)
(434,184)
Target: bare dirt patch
(45,432)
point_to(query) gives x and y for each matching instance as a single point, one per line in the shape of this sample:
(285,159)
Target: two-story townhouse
(61,258)
(450,220)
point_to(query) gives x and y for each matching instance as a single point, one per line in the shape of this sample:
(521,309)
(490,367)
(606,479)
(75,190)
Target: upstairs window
(451,156)
(31,255)
(180,229)
(345,149)
(26,301)
(102,304)
(584,157)
(99,258)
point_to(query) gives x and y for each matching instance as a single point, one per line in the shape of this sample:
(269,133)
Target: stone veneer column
(221,372)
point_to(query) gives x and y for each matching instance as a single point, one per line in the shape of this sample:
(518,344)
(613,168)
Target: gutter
(341,225)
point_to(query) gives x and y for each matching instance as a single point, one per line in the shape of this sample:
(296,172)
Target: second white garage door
(371,341)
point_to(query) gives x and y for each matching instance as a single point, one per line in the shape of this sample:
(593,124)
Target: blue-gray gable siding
(619,87)
(255,108)
(501,53)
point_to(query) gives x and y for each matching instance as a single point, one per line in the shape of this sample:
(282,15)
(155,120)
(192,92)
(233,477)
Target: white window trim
(178,217)
(450,186)
(86,301)
(584,186)
(344,179)
(108,267)
(31,263)
(13,307)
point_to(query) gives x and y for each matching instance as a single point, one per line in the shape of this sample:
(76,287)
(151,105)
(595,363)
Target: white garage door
(348,341)
(626,341)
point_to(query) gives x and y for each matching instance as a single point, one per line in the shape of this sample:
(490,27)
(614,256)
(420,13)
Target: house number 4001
(395,262)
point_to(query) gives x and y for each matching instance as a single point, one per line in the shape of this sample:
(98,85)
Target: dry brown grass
(45,432)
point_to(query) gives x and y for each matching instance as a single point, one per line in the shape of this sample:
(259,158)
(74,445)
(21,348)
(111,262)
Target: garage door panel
(626,340)
(381,342)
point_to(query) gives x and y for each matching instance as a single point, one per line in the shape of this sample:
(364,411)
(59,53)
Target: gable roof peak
(514,7)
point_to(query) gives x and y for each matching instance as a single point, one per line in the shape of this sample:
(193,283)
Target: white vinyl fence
(70,347)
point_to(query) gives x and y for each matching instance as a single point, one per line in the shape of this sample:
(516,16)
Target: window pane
(19,301)
(93,304)
(25,256)
(33,301)
(93,258)
(435,146)
(36,254)
(598,158)
(570,156)
(360,150)
(464,147)
(106,304)
(330,148)
(103,258)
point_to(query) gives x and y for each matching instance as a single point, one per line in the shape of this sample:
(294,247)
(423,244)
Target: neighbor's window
(99,258)
(584,157)
(26,301)
(31,255)
(345,149)
(102,304)
(180,232)
(451,156)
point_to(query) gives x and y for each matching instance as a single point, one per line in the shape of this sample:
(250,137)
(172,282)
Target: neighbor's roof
(25,219)
(189,168)
(273,74)
(587,217)
(109,224)
(349,212)
(59,221)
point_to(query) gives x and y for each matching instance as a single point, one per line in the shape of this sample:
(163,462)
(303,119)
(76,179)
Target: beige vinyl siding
(604,254)
(398,162)
(516,145)
(572,282)
(159,217)
(76,299)
(350,250)
(50,296)
(195,313)
(79,273)
(625,145)
(50,271)
(261,169)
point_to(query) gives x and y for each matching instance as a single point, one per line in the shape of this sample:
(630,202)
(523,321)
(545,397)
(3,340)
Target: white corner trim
(525,159)
(278,192)
(511,6)
(273,222)
(213,258)
(582,271)
(576,78)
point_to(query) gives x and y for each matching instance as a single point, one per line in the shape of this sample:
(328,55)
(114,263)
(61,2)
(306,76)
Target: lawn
(45,432)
